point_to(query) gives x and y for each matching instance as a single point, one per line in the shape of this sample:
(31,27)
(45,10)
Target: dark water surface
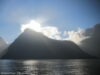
(50,67)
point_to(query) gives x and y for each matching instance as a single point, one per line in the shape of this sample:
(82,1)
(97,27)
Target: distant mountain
(34,45)
(3,46)
(92,44)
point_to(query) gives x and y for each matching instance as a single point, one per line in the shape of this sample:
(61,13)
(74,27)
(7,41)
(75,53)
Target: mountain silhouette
(3,46)
(34,45)
(92,44)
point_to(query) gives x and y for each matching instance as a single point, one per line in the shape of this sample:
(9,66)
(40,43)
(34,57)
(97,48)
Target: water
(50,67)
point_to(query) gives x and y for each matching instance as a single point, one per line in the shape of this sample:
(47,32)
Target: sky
(73,16)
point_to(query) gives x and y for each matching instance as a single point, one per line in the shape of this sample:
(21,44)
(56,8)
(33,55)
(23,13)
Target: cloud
(75,36)
(54,33)
(49,31)
(92,44)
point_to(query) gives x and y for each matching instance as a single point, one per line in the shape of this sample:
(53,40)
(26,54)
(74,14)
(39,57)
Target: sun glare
(53,32)
(34,25)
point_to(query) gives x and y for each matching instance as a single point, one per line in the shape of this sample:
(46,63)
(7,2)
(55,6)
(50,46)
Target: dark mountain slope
(34,45)
(3,46)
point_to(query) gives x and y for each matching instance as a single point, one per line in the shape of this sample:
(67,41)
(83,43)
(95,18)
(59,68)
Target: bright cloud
(75,36)
(51,32)
(54,33)
(32,25)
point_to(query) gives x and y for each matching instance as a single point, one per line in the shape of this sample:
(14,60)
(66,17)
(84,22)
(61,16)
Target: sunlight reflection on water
(49,67)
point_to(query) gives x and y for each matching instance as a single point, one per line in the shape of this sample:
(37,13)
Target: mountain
(3,46)
(92,44)
(34,45)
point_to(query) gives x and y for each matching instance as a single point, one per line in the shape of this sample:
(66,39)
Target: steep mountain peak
(30,32)
(34,45)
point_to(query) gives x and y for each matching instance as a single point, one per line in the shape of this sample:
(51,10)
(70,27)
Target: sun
(34,25)
(53,32)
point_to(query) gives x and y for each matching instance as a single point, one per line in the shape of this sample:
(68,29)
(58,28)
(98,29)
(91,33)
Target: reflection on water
(49,67)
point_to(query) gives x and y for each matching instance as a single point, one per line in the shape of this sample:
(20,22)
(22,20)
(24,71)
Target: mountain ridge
(34,45)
